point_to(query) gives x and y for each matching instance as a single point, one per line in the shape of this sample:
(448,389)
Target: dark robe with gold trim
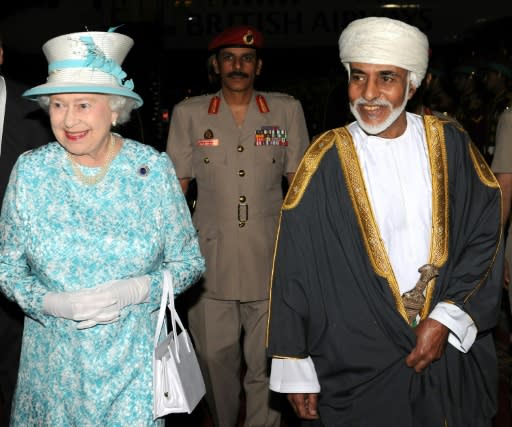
(334,296)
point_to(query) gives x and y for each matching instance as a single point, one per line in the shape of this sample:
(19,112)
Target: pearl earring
(114,123)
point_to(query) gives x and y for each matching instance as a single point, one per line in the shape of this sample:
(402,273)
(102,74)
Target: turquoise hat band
(108,66)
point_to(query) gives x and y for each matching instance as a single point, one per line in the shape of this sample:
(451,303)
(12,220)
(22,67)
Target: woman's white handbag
(178,384)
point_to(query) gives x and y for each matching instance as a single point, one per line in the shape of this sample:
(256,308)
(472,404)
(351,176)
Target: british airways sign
(309,23)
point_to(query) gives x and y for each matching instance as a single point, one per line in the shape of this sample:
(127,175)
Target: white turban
(378,40)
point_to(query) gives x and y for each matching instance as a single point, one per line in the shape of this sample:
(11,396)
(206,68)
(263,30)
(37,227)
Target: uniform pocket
(209,164)
(270,160)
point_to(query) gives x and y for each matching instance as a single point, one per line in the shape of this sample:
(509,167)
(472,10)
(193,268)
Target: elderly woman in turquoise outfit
(88,225)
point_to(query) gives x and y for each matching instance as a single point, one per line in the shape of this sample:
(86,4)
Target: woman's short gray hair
(122,105)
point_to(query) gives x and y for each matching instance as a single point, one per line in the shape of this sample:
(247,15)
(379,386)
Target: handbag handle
(168,296)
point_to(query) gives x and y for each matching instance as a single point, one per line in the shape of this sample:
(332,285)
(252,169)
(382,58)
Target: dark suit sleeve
(289,303)
(473,276)
(26,126)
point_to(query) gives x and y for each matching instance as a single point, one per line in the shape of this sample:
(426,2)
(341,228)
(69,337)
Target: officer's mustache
(238,74)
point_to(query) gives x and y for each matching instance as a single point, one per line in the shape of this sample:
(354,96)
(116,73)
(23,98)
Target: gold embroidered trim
(482,168)
(360,200)
(436,146)
(366,218)
(365,215)
(272,276)
(307,167)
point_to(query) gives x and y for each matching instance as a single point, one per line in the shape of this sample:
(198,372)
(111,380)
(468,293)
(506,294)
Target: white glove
(99,305)
(81,305)
(123,292)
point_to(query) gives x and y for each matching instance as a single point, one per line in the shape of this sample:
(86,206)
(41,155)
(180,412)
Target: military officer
(237,144)
(497,81)
(502,168)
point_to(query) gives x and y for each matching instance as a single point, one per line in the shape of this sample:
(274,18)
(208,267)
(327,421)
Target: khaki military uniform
(239,172)
(502,163)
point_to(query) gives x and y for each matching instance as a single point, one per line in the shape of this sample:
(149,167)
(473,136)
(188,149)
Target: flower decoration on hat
(97,59)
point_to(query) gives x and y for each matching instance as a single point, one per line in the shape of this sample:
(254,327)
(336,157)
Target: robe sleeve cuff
(294,376)
(462,328)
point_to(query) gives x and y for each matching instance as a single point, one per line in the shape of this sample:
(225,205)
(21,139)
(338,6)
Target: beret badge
(248,38)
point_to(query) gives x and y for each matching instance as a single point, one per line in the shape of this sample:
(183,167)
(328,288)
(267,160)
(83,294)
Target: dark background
(168,60)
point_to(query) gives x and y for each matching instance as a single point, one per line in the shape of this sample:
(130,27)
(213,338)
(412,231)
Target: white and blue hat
(87,62)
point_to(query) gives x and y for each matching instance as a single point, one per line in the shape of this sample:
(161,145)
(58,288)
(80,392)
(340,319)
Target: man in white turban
(386,41)
(385,284)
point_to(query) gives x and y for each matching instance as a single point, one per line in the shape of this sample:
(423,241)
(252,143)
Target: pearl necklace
(94,179)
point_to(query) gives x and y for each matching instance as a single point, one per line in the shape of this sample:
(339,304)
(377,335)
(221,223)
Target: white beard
(377,129)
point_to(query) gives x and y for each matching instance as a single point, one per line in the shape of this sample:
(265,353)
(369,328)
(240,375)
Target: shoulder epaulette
(214,105)
(262,104)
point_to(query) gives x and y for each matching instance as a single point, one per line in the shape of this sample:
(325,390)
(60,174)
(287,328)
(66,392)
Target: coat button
(241,172)
(206,160)
(240,148)
(242,199)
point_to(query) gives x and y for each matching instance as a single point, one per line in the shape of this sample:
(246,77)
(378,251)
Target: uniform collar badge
(262,104)
(214,105)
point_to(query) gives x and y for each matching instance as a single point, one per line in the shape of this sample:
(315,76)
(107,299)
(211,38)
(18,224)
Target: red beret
(240,36)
